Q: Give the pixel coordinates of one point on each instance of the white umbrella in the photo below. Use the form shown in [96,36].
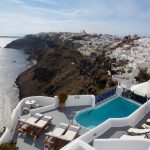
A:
[6,112]
[142,89]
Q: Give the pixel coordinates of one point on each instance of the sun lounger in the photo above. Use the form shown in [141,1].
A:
[148,121]
[26,124]
[71,133]
[56,133]
[145,126]
[136,131]
[23,127]
[34,118]
[43,122]
[39,126]
[128,137]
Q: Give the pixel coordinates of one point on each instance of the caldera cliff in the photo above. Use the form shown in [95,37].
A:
[60,67]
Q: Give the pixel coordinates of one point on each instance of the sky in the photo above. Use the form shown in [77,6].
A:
[118,17]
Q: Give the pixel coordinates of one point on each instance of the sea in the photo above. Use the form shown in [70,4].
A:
[12,63]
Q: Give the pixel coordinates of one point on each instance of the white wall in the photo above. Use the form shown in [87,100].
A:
[80,100]
[47,103]
[79,145]
[118,144]
[42,100]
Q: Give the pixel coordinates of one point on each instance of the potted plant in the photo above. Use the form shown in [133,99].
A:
[62,99]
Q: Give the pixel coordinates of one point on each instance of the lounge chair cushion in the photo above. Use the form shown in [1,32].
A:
[74,128]
[43,122]
[132,137]
[32,120]
[63,126]
[22,120]
[46,118]
[148,120]
[145,126]
[58,131]
[37,115]
[138,131]
[69,135]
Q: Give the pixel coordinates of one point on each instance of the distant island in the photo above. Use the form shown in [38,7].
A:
[76,63]
[10,36]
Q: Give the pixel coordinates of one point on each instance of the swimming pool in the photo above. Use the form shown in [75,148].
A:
[118,107]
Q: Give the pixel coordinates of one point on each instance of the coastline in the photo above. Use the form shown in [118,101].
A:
[19,87]
[12,63]
[17,82]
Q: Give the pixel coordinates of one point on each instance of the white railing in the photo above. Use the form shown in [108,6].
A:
[79,145]
[80,100]
[118,144]
[47,103]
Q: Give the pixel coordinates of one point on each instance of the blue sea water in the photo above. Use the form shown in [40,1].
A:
[12,63]
[116,108]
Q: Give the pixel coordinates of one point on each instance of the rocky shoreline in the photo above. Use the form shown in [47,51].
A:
[19,87]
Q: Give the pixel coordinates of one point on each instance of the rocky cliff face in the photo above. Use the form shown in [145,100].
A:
[35,45]
[60,69]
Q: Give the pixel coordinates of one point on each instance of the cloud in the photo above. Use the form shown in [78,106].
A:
[16,1]
[27,24]
[116,17]
[51,2]
[61,13]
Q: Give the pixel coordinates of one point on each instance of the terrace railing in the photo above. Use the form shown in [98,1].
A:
[131,95]
[103,96]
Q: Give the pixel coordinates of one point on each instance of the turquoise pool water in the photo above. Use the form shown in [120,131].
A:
[119,107]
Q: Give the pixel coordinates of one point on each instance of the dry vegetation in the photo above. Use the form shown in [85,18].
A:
[9,146]
[143,75]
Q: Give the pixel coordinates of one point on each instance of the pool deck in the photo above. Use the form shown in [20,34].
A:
[25,142]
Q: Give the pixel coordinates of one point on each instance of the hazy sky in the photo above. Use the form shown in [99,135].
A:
[18,17]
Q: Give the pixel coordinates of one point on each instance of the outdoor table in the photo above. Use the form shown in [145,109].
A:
[30,103]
